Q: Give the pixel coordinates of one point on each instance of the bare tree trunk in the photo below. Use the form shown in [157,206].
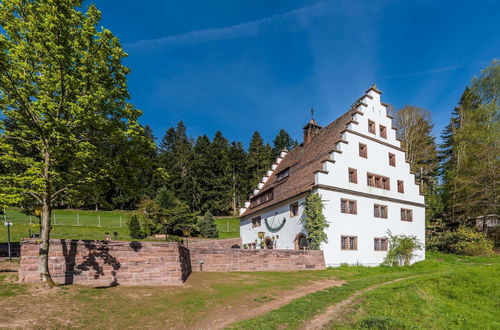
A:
[43,256]
[234,194]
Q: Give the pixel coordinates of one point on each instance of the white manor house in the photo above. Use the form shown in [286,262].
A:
[357,166]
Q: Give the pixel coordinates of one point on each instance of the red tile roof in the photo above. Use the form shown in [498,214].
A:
[303,162]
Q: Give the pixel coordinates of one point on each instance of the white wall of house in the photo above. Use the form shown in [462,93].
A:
[366,227]
[334,185]
[287,234]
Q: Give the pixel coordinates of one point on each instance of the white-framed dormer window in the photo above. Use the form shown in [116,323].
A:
[283,174]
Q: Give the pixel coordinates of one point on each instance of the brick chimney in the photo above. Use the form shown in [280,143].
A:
[310,131]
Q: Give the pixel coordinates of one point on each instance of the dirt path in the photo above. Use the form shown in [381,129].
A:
[336,311]
[246,312]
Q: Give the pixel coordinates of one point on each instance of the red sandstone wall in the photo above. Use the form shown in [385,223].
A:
[154,263]
[214,243]
[108,263]
[256,260]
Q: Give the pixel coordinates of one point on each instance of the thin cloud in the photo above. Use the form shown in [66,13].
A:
[422,73]
[293,19]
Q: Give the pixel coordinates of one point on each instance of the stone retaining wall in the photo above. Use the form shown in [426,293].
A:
[100,263]
[231,260]
[108,263]
[214,243]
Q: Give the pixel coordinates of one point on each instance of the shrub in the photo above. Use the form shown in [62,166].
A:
[135,228]
[207,226]
[464,241]
[314,222]
[401,249]
[494,234]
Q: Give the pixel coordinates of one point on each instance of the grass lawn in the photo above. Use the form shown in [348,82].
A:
[452,292]
[462,299]
[438,268]
[88,225]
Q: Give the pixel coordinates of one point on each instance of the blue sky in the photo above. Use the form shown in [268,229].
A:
[241,66]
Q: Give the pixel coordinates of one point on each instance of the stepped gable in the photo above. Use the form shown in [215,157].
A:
[303,161]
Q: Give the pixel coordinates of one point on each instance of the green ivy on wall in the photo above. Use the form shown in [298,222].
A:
[314,222]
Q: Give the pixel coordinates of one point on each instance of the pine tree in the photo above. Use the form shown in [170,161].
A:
[176,157]
[202,173]
[471,148]
[219,189]
[282,141]
[135,228]
[450,154]
[207,226]
[259,161]
[238,160]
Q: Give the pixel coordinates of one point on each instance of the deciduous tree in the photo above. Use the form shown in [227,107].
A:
[63,95]
[414,129]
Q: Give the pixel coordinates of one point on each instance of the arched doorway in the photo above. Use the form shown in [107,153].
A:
[300,241]
[268,242]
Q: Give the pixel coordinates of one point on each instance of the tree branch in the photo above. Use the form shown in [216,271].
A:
[58,192]
[38,199]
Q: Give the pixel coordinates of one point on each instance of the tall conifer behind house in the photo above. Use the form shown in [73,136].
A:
[471,145]
[282,141]
[219,189]
[176,157]
[260,158]
[238,160]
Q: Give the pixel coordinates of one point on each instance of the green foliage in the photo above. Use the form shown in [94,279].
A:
[463,241]
[63,99]
[314,222]
[470,150]
[446,282]
[402,249]
[207,226]
[414,129]
[282,141]
[176,156]
[260,158]
[135,228]
[166,214]
[238,160]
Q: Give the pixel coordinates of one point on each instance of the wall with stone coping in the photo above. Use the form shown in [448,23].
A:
[100,263]
[230,260]
[197,243]
[108,263]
